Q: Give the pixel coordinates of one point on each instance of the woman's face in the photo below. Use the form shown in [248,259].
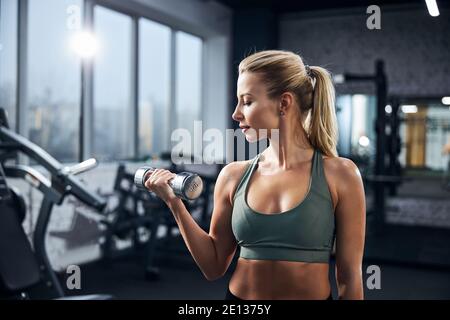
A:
[254,110]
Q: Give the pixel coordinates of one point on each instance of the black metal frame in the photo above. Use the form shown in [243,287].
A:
[61,184]
[381,83]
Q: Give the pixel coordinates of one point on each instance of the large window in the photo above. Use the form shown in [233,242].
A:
[167,84]
[188,83]
[154,87]
[8,58]
[53,79]
[113,131]
[356,115]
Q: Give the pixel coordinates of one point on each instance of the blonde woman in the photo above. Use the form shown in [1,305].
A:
[289,206]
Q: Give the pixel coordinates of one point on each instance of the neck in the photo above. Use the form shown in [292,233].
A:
[286,150]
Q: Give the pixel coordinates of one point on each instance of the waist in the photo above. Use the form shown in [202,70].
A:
[285,254]
[262,279]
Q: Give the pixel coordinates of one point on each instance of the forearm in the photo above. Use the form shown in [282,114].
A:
[199,243]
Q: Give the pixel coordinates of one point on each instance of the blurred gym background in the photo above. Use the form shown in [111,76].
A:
[112,79]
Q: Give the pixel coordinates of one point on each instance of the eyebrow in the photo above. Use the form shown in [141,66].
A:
[245,94]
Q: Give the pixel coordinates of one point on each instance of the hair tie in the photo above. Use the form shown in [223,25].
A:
[308,70]
[313,79]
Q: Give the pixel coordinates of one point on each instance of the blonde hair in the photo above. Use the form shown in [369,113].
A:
[284,71]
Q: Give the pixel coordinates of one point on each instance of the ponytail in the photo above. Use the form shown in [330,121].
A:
[321,123]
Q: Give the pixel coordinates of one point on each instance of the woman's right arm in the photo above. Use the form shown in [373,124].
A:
[212,252]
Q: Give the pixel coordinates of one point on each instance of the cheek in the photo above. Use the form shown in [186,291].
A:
[262,120]
[266,119]
[261,116]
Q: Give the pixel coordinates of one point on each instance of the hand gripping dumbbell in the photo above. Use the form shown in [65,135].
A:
[185,185]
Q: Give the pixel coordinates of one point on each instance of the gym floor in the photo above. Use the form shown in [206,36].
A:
[180,279]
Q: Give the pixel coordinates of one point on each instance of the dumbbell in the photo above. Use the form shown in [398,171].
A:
[185,185]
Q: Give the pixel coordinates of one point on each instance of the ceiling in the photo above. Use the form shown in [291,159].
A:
[286,6]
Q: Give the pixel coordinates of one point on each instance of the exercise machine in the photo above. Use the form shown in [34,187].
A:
[25,270]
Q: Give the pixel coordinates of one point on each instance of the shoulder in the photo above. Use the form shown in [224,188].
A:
[230,176]
[234,170]
[340,165]
[343,173]
[235,167]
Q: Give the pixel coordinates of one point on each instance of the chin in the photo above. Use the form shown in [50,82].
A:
[254,138]
[251,139]
[252,135]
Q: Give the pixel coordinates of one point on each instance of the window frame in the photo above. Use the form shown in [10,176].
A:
[86,144]
[86,73]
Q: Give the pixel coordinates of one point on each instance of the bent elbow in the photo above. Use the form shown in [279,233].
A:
[215,274]
[213,277]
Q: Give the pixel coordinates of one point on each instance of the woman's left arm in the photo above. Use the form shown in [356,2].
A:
[350,230]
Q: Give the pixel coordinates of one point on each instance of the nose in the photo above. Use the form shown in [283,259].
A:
[237,114]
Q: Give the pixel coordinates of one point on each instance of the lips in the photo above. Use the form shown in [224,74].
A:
[244,128]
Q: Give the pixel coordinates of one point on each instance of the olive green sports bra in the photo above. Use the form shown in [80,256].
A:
[304,233]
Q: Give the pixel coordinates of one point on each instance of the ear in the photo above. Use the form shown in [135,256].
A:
[286,101]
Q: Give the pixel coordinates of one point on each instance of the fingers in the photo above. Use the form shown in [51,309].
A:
[158,177]
[158,184]
[164,177]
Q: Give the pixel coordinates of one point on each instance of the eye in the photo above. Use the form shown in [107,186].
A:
[247,103]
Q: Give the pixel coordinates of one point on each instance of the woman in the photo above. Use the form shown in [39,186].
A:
[287,207]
